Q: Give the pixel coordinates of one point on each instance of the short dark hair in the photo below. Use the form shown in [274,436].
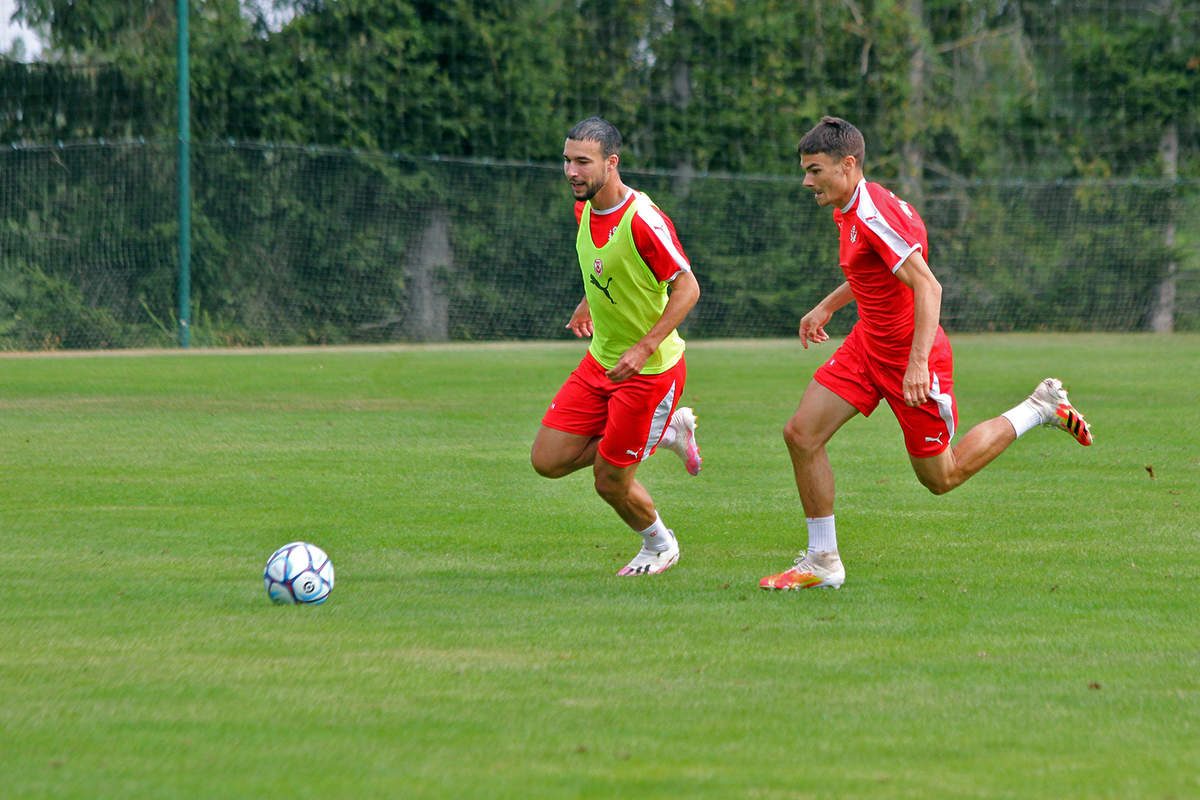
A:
[834,137]
[598,129]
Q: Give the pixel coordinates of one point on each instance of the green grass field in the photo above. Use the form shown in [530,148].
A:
[1032,634]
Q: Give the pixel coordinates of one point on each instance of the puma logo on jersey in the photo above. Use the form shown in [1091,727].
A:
[634,453]
[603,288]
[937,439]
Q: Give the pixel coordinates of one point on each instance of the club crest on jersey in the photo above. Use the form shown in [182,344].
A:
[598,266]
[853,234]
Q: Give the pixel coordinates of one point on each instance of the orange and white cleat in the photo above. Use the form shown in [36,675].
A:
[1050,399]
[811,571]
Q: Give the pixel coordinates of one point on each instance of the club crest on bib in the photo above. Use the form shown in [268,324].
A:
[598,266]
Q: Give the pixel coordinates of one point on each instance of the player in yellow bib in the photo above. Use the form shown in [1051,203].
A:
[617,267]
[622,401]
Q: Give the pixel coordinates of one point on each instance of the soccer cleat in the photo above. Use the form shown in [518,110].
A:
[683,421]
[1050,399]
[652,562]
[811,571]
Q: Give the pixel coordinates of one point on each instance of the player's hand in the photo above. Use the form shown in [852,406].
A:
[812,327]
[916,384]
[581,322]
[629,364]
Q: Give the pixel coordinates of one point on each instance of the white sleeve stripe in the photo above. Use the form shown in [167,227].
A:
[658,226]
[905,256]
[868,212]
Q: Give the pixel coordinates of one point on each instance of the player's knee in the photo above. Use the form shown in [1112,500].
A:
[937,484]
[547,468]
[607,488]
[541,469]
[611,488]
[799,439]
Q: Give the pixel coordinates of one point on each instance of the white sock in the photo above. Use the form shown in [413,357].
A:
[1024,417]
[657,537]
[822,534]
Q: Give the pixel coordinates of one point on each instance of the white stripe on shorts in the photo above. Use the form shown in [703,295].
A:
[944,403]
[662,416]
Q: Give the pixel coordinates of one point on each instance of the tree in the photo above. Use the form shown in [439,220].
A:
[1141,96]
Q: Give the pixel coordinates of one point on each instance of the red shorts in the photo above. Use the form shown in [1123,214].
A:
[631,415]
[853,375]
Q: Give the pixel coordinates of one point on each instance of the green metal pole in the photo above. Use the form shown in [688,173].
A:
[185,188]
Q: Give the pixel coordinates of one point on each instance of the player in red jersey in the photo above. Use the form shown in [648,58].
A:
[621,402]
[897,351]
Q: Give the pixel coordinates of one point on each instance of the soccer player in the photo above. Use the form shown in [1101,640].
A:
[621,402]
[897,351]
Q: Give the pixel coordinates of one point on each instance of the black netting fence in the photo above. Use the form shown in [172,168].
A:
[305,245]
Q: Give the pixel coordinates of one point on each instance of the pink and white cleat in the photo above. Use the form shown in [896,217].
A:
[652,562]
[684,445]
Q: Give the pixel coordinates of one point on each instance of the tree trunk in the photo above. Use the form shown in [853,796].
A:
[912,165]
[681,96]
[429,260]
[1162,317]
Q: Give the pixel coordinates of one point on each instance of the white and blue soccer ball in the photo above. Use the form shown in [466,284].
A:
[298,572]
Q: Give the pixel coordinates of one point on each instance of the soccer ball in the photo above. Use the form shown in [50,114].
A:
[299,572]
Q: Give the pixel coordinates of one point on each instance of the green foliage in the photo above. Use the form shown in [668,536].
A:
[1150,60]
[1048,256]
[451,78]
[41,312]
[73,102]
[971,87]
[120,29]
[762,261]
[303,245]
[731,81]
[86,234]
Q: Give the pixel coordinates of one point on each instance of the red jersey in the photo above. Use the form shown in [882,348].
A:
[653,235]
[877,232]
